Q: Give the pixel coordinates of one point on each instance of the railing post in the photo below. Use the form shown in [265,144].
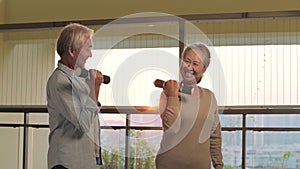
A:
[127,142]
[181,36]
[25,140]
[244,142]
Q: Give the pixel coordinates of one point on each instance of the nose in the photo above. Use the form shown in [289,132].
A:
[90,54]
[189,66]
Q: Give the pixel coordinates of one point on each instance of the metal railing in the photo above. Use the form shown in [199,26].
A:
[235,110]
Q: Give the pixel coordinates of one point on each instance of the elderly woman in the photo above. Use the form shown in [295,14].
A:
[192,131]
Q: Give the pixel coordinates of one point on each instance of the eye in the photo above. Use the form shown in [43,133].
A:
[196,64]
[186,61]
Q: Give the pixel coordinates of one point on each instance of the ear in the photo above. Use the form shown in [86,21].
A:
[71,51]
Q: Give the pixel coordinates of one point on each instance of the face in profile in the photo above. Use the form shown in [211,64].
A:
[192,67]
[84,53]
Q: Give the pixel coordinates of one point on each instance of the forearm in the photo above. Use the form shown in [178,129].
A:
[88,114]
[94,84]
[94,92]
[171,112]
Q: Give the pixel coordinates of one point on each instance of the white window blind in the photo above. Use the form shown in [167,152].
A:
[259,60]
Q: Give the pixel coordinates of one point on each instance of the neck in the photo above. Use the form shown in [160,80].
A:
[66,62]
[188,83]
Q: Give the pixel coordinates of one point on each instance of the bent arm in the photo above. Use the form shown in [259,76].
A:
[169,109]
[75,105]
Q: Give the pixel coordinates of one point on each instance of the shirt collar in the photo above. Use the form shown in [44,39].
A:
[65,69]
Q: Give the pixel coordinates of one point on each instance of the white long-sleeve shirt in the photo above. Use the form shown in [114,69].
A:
[73,120]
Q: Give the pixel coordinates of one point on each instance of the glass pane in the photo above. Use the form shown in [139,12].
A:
[132,73]
[232,149]
[231,120]
[39,118]
[112,119]
[269,120]
[14,118]
[113,148]
[272,150]
[10,147]
[143,148]
[151,120]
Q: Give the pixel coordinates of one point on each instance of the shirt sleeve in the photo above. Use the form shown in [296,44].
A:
[169,108]
[216,140]
[216,148]
[73,102]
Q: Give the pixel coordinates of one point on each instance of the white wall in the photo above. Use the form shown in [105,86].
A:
[25,68]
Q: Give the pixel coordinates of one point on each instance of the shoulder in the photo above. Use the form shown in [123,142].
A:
[58,79]
[206,91]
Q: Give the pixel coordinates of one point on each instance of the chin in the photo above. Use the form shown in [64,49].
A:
[82,65]
[189,81]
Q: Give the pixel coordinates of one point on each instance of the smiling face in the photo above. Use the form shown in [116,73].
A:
[83,54]
[74,45]
[192,67]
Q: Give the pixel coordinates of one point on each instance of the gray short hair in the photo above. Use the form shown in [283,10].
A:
[196,48]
